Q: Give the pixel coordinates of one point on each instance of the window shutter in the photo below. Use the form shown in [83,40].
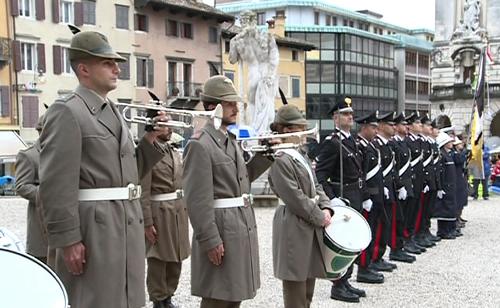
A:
[40,9]
[124,67]
[151,73]
[14,7]
[140,73]
[78,14]
[55,11]
[57,53]
[30,111]
[40,51]
[5,95]
[16,48]
[136,22]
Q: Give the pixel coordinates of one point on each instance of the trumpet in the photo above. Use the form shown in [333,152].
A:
[248,146]
[151,109]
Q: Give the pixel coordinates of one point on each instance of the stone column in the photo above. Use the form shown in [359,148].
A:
[492,17]
[445,19]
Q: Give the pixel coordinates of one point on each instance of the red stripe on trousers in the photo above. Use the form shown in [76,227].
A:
[420,213]
[377,241]
[393,226]
[362,260]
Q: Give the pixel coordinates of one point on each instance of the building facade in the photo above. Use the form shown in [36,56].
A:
[358,54]
[464,29]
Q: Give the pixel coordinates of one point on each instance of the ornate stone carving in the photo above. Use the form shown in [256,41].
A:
[470,27]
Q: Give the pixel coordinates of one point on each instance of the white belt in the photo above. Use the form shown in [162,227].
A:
[427,161]
[404,168]
[388,169]
[178,194]
[416,160]
[244,201]
[131,192]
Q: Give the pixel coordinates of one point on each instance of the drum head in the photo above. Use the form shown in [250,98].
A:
[348,230]
[27,282]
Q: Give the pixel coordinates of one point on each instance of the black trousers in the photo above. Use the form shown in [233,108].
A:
[475,185]
[412,212]
[396,226]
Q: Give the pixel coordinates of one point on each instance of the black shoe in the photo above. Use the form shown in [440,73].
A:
[486,198]
[422,241]
[457,233]
[431,237]
[460,224]
[350,288]
[462,220]
[158,304]
[167,302]
[380,266]
[400,255]
[411,248]
[340,293]
[369,276]
[448,236]
[393,265]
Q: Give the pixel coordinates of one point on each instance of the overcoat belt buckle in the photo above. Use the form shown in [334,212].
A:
[360,182]
[180,193]
[134,191]
[247,199]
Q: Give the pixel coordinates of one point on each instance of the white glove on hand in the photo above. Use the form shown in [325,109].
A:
[367,205]
[386,192]
[426,189]
[339,202]
[402,193]
[440,194]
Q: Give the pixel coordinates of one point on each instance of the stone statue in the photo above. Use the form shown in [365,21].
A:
[470,25]
[258,50]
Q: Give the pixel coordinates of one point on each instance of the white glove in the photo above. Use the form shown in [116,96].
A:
[386,192]
[402,193]
[426,189]
[440,194]
[367,205]
[339,202]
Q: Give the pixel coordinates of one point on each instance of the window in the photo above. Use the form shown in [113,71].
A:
[328,20]
[423,88]
[141,22]
[66,66]
[280,13]
[28,57]
[346,22]
[381,31]
[172,28]
[124,67]
[423,61]
[121,16]
[227,46]
[334,21]
[283,83]
[67,15]
[316,18]
[187,30]
[27,8]
[229,74]
[410,86]
[411,58]
[214,68]
[88,12]
[295,86]
[213,35]
[173,86]
[295,55]
[261,18]
[351,24]
[145,72]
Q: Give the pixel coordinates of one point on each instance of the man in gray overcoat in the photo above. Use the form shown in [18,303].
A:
[90,171]
[225,253]
[27,182]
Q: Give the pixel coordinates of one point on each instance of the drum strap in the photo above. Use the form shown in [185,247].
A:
[297,156]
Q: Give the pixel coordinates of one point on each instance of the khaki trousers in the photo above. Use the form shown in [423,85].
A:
[216,303]
[162,278]
[298,294]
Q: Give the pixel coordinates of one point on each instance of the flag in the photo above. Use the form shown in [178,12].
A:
[477,115]
[489,55]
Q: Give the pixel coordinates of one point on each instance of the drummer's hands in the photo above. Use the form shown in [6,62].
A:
[215,254]
[151,234]
[327,218]
[74,258]
[157,129]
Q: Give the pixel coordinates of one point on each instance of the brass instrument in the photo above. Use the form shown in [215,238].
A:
[215,115]
[264,146]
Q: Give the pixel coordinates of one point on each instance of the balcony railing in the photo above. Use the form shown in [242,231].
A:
[5,49]
[186,89]
[461,91]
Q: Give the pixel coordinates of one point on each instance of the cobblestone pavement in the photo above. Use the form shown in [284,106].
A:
[461,273]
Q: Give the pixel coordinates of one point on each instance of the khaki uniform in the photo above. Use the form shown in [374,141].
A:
[27,181]
[297,231]
[214,169]
[85,144]
[170,219]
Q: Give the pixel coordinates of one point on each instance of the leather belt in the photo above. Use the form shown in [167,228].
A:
[178,194]
[131,192]
[244,201]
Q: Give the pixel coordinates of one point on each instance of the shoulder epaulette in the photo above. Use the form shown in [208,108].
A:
[66,98]
[197,134]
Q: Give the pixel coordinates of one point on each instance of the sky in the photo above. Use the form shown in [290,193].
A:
[413,14]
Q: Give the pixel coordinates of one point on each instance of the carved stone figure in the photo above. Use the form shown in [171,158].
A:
[258,50]
[470,25]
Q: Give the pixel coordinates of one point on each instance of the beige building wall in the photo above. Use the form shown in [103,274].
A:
[49,86]
[9,121]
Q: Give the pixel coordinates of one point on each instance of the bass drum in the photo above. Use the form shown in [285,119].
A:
[27,282]
[347,235]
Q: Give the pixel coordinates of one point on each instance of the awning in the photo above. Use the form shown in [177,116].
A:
[10,144]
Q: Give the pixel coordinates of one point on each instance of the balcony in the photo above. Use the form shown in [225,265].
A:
[184,89]
[460,91]
[5,50]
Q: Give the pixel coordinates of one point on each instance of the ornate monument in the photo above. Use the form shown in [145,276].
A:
[258,50]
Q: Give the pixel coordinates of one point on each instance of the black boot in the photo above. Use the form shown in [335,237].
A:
[341,293]
[432,237]
[350,288]
[400,255]
[369,276]
[422,241]
[411,248]
[381,266]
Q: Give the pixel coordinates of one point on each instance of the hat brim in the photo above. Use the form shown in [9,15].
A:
[295,122]
[227,98]
[113,56]
[342,110]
